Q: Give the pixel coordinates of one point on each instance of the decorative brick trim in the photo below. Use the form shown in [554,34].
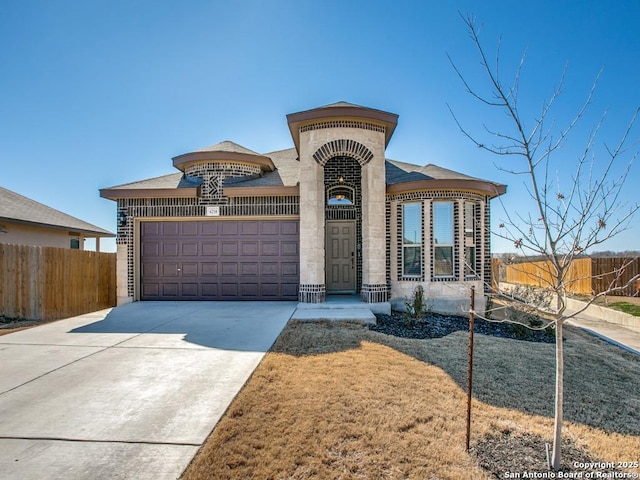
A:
[343,124]
[213,174]
[433,194]
[487,247]
[387,224]
[312,293]
[374,293]
[226,169]
[398,232]
[343,147]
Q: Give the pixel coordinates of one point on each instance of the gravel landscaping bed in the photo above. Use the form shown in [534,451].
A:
[507,453]
[11,323]
[436,325]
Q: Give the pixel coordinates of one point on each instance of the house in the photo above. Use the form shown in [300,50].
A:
[331,215]
[26,222]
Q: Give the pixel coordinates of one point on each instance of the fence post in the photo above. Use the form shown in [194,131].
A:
[470,369]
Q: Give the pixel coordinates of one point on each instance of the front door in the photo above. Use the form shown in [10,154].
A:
[340,261]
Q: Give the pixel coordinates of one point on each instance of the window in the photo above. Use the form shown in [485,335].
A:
[340,195]
[412,239]
[74,243]
[443,239]
[469,239]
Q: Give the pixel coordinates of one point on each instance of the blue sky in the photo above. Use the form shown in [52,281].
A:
[95,93]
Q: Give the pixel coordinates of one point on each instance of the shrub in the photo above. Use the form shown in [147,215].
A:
[416,307]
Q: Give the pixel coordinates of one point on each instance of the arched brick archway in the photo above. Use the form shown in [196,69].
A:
[343,147]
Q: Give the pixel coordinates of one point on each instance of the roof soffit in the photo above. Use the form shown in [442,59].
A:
[116,194]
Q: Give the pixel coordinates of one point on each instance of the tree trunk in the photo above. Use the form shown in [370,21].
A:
[557,426]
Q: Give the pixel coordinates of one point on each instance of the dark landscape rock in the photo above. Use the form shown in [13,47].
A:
[435,325]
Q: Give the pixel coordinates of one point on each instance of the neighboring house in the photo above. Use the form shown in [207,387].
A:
[26,222]
[331,215]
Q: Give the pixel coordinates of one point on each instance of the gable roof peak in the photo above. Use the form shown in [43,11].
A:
[227,146]
[342,103]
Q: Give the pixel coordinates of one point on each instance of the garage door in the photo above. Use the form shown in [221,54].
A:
[220,260]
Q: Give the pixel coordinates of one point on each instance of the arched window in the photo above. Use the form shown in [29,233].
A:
[340,195]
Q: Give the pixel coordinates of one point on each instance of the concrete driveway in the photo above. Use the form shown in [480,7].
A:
[130,392]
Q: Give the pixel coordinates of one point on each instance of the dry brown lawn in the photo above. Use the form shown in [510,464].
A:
[337,401]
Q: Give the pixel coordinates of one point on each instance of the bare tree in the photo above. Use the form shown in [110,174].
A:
[569,217]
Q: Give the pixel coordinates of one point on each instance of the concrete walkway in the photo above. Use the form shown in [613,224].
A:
[613,326]
[127,393]
[341,308]
[619,335]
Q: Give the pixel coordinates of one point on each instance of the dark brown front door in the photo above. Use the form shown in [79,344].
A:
[340,261]
[220,260]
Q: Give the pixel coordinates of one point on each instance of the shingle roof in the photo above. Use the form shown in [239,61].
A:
[400,172]
[173,180]
[437,172]
[227,146]
[18,208]
[287,173]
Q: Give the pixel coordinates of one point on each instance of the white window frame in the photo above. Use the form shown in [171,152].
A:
[442,245]
[414,245]
[469,241]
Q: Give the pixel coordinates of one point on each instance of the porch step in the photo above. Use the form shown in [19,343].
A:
[343,313]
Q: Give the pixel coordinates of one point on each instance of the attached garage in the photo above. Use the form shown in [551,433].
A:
[219,260]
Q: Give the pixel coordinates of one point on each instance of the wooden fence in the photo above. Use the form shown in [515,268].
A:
[587,276]
[46,283]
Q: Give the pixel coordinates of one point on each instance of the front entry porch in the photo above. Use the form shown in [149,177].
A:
[341,308]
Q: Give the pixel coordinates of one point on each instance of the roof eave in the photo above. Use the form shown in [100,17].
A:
[93,233]
[182,161]
[116,193]
[490,189]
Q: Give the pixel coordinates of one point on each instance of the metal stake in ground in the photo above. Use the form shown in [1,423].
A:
[470,369]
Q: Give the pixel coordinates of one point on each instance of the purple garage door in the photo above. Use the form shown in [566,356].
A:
[220,260]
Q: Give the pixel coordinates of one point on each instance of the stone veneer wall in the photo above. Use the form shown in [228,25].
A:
[320,143]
